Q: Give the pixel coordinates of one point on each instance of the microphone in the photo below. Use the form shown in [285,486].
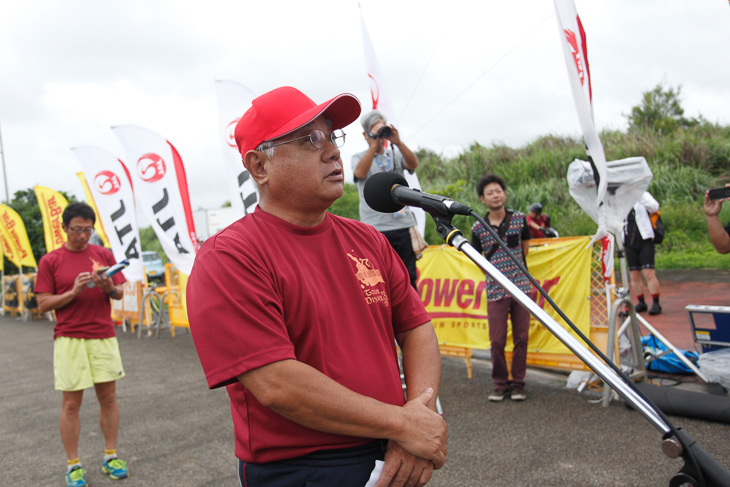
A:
[388,192]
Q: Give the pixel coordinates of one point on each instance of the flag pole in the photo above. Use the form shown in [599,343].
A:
[5,175]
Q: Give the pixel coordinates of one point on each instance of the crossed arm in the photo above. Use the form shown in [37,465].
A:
[417,435]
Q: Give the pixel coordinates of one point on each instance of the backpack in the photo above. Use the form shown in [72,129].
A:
[659,228]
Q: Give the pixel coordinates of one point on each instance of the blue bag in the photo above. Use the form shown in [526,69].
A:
[668,363]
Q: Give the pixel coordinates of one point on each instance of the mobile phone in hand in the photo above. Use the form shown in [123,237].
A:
[100,271]
[719,193]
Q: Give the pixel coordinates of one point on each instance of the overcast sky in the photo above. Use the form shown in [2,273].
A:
[459,71]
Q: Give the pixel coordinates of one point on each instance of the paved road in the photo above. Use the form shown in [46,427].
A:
[680,288]
[175,432]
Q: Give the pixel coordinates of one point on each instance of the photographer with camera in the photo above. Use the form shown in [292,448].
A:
[379,158]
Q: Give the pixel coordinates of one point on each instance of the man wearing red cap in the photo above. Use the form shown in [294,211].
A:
[297,311]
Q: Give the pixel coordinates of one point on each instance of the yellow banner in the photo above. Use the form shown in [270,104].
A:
[52,204]
[13,230]
[98,226]
[453,289]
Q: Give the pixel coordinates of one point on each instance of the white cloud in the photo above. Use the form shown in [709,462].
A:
[73,69]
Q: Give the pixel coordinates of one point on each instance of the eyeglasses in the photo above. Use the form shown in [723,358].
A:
[78,230]
[318,139]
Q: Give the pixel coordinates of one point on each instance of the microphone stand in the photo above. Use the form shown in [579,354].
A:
[699,469]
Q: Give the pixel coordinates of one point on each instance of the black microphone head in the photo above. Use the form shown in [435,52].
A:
[377,191]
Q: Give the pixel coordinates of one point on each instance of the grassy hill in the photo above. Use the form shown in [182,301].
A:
[685,162]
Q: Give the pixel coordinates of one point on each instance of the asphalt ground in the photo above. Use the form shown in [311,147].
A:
[680,288]
[176,432]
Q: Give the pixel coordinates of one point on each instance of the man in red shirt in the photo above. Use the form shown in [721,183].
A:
[537,221]
[86,352]
[297,312]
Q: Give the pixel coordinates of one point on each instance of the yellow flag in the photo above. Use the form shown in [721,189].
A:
[52,204]
[13,230]
[98,226]
[9,251]
[5,250]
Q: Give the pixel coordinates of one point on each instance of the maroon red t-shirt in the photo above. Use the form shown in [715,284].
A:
[541,221]
[89,314]
[331,296]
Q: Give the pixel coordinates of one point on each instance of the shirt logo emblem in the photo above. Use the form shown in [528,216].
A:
[369,277]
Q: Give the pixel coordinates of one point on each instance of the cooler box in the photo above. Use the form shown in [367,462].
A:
[710,325]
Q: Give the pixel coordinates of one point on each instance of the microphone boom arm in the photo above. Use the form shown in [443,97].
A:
[457,240]
[708,468]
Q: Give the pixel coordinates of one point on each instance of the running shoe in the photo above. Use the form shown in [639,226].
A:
[76,477]
[518,394]
[116,468]
[498,395]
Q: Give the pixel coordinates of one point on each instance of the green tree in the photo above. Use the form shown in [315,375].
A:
[348,205]
[26,204]
[149,241]
[660,111]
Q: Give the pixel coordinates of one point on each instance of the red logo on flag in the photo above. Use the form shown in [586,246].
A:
[607,257]
[150,168]
[107,182]
[230,133]
[374,92]
[573,42]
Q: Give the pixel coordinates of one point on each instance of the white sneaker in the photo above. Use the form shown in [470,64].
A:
[518,394]
[498,395]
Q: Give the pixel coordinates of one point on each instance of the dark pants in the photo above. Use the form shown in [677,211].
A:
[640,255]
[497,314]
[400,240]
[346,467]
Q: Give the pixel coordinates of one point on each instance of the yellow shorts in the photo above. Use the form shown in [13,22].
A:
[79,363]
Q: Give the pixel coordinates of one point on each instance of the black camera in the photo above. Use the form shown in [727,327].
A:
[715,194]
[384,132]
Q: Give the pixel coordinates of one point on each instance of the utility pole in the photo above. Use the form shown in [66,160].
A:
[5,174]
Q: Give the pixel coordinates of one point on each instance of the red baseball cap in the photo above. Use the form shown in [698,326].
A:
[284,110]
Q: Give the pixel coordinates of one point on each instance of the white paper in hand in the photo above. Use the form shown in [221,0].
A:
[375,474]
